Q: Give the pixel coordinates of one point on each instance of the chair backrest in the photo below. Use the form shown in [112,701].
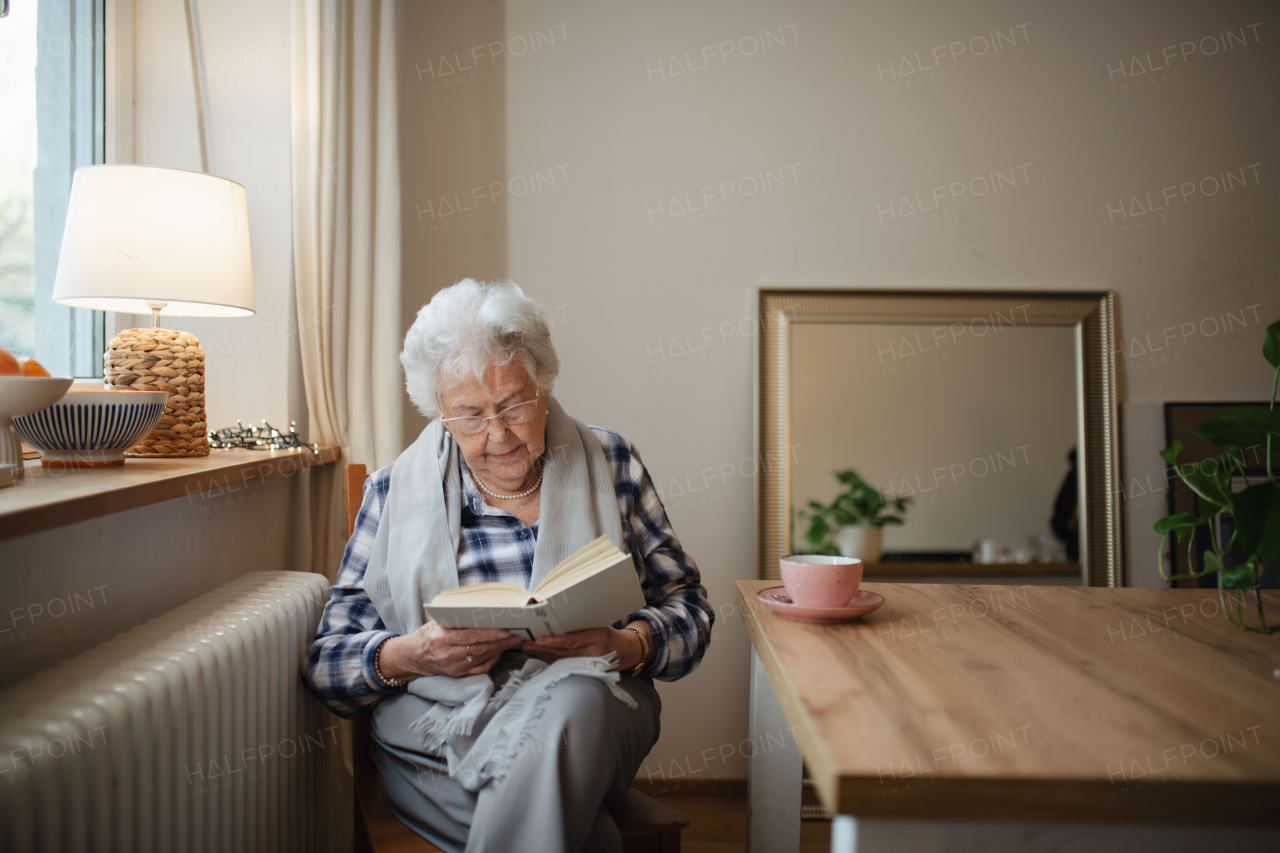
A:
[353,477]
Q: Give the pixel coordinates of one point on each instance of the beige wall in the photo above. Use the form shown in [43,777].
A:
[640,283]
[452,141]
[252,369]
[974,427]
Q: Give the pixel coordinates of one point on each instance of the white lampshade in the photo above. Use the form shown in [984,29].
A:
[138,237]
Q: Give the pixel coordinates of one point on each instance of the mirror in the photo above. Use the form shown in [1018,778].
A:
[973,427]
[967,406]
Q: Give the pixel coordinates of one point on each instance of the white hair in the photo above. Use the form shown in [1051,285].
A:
[470,327]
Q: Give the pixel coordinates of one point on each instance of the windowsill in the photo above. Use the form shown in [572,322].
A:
[52,497]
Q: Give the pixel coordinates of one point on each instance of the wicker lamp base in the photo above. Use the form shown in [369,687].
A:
[163,360]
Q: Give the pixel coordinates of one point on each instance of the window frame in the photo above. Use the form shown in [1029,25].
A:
[85,49]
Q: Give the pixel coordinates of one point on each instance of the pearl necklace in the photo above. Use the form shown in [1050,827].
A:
[523,494]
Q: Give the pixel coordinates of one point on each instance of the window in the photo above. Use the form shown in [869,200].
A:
[18,112]
[52,90]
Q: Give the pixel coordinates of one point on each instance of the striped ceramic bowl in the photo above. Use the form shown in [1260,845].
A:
[86,429]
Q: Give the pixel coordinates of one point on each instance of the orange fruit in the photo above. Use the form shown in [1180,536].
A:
[8,364]
[31,367]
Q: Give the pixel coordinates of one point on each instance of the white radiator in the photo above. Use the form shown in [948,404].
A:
[192,732]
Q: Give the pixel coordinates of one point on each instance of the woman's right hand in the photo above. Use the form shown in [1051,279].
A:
[436,650]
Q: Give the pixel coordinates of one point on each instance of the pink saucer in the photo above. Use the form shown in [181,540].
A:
[780,603]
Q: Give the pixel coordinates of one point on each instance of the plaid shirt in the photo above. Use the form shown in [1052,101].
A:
[496,546]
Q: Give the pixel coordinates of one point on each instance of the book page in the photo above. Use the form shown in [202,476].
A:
[492,594]
[605,595]
[546,591]
[586,560]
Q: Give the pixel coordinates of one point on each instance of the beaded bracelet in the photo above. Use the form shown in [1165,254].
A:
[377,668]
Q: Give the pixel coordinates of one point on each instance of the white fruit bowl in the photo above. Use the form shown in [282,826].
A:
[88,429]
[21,395]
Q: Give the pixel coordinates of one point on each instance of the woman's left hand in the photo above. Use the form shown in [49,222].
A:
[591,643]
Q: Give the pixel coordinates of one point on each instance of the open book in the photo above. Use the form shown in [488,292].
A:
[594,587]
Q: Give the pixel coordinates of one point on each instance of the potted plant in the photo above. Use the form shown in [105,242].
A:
[852,524]
[1254,510]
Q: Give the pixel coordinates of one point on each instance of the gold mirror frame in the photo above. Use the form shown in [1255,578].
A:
[1092,314]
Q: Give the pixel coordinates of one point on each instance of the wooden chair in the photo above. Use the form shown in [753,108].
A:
[646,825]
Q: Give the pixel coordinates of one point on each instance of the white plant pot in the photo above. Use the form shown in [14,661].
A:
[861,542]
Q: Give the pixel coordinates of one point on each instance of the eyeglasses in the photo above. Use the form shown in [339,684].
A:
[520,413]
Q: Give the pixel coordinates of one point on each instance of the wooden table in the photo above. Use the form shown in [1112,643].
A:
[960,572]
[993,704]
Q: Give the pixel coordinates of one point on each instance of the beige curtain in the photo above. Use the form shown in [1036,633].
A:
[346,224]
[346,252]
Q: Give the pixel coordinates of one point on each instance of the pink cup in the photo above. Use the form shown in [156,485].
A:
[819,580]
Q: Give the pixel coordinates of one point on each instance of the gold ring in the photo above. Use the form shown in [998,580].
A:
[468,654]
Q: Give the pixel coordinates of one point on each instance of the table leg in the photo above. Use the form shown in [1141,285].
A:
[844,834]
[774,771]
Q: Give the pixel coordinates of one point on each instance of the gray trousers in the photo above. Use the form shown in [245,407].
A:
[556,795]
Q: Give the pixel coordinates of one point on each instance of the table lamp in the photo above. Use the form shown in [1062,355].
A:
[144,239]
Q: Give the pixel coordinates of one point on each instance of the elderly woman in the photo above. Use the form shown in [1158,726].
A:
[485,741]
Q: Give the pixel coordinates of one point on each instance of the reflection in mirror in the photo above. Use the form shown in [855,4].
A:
[975,430]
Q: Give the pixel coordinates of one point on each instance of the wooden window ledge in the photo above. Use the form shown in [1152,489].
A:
[51,497]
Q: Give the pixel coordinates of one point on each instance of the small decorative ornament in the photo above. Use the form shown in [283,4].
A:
[163,360]
[265,437]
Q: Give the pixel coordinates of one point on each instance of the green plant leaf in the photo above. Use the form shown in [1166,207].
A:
[1171,454]
[1209,479]
[860,503]
[1180,524]
[1257,516]
[1230,462]
[1243,426]
[1271,345]
[1236,577]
